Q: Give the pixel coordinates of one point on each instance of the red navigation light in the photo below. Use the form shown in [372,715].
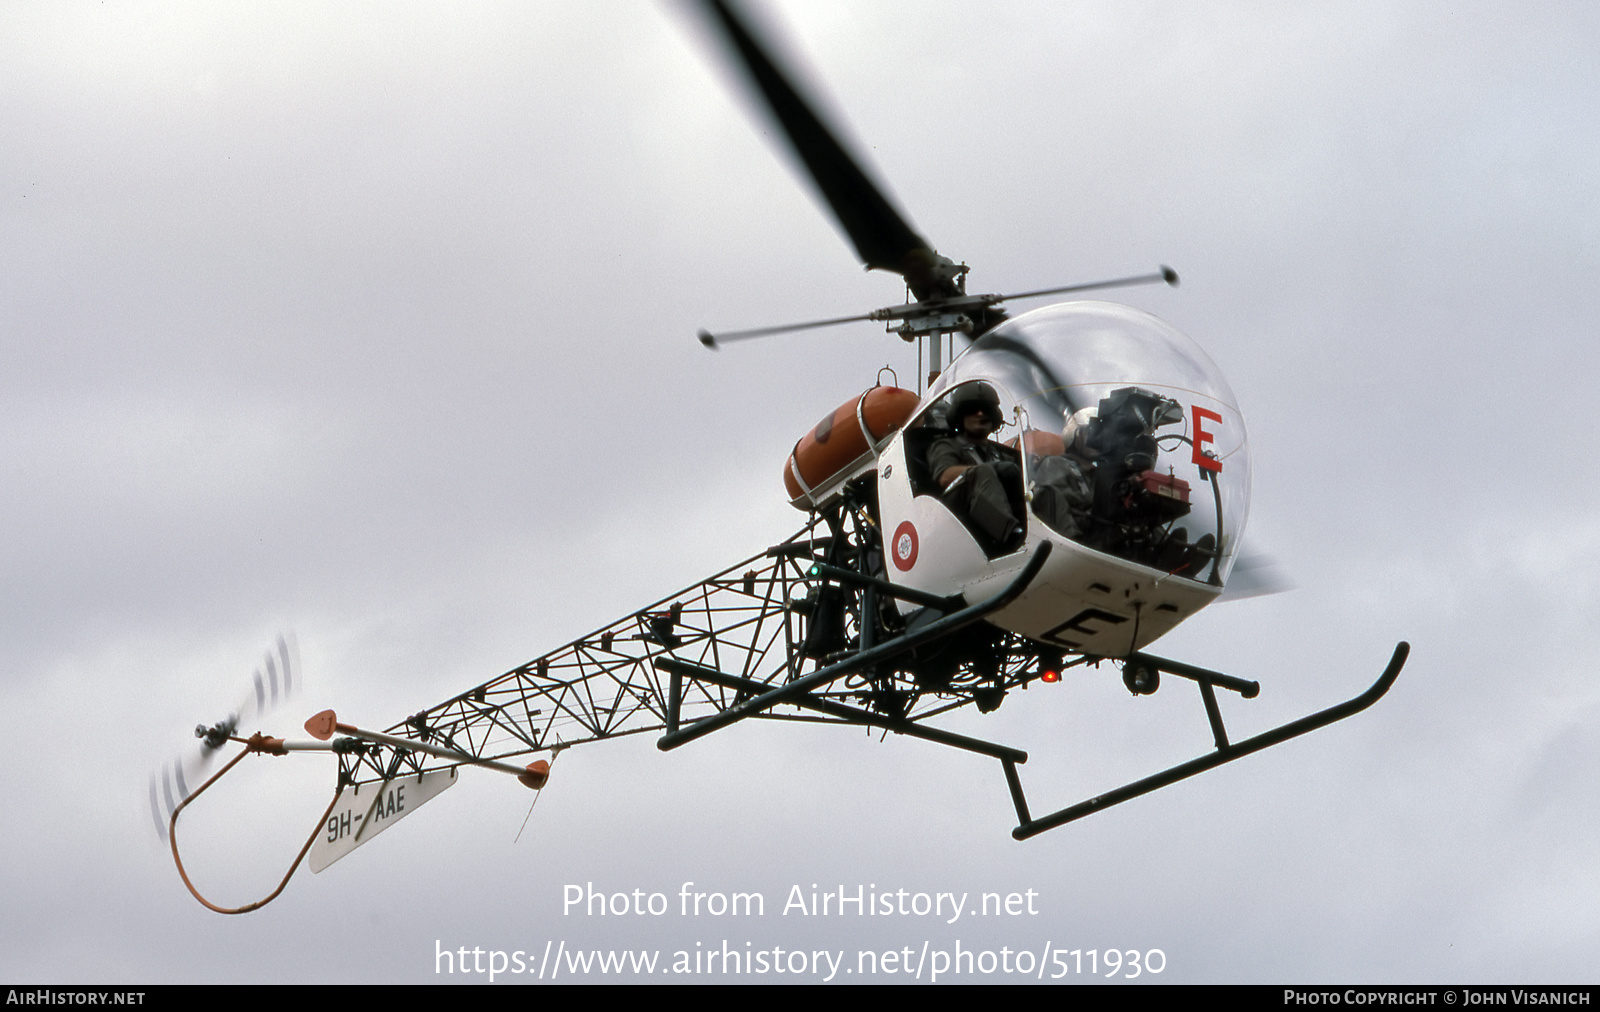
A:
[1050,664]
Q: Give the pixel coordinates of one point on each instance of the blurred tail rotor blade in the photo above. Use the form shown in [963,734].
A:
[155,808]
[165,797]
[287,666]
[272,683]
[182,788]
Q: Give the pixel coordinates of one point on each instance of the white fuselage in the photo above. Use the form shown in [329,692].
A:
[1096,594]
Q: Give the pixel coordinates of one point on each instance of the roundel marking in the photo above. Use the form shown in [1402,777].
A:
[903,547]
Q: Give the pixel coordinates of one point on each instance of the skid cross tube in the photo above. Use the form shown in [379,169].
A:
[1206,679]
[1247,689]
[1225,753]
[866,658]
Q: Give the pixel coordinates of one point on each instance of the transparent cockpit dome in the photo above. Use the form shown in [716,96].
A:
[1133,442]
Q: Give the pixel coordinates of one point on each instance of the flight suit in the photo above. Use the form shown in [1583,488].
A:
[983,494]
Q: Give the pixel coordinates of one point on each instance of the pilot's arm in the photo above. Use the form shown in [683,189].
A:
[946,462]
[948,476]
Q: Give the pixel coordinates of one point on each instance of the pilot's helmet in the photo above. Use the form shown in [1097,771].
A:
[975,397]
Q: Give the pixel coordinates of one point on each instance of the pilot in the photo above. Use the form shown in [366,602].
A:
[976,475]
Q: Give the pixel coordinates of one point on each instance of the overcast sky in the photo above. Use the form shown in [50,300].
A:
[375,322]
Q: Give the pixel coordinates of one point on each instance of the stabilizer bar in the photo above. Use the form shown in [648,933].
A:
[1225,753]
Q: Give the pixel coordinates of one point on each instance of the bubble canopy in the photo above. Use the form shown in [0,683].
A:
[1131,401]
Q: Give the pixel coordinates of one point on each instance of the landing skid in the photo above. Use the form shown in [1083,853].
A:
[1141,673]
[1225,752]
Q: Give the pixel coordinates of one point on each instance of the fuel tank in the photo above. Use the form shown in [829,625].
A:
[844,444]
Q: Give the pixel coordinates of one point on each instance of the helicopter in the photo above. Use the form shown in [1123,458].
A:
[1126,484]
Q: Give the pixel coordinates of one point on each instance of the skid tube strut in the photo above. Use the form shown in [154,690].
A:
[1225,751]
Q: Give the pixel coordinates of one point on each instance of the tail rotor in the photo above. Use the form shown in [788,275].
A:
[274,680]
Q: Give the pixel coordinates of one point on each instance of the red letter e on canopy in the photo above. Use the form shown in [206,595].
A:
[1202,437]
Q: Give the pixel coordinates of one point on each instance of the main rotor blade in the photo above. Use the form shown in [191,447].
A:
[1255,574]
[882,237]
